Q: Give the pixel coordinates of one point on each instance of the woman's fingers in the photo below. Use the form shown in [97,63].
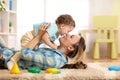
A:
[44,26]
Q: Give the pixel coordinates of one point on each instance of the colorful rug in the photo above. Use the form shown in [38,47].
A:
[95,71]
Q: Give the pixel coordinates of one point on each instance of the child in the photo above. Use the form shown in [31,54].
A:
[63,25]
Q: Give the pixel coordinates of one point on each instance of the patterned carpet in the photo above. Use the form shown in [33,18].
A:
[95,71]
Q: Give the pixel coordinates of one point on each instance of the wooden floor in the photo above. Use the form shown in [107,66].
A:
[103,60]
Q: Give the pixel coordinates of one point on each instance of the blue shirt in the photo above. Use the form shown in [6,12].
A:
[7,53]
[43,58]
[52,31]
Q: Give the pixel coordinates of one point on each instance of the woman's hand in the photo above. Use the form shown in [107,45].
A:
[43,28]
[37,38]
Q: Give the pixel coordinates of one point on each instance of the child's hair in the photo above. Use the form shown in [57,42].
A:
[65,19]
[79,50]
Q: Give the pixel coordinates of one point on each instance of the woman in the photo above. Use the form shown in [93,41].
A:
[70,46]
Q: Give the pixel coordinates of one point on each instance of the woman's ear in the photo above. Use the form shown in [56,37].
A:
[70,48]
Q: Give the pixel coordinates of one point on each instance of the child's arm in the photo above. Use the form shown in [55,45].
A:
[46,39]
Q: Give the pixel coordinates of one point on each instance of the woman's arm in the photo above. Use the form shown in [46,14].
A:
[37,38]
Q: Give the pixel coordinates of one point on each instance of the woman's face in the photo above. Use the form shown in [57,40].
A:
[69,40]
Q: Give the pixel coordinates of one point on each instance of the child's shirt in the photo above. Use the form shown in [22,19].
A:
[52,31]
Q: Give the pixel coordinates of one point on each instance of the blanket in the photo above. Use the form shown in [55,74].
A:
[94,71]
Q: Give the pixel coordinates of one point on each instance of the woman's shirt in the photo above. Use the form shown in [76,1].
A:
[43,58]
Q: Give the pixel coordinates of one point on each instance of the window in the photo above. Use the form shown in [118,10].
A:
[79,9]
[34,11]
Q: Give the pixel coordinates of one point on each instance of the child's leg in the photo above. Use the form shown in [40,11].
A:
[26,38]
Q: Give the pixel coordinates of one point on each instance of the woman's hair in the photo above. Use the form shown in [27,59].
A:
[79,49]
[65,19]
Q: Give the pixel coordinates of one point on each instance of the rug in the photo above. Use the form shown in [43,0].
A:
[94,71]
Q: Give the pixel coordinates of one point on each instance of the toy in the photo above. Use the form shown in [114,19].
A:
[2,3]
[52,70]
[114,68]
[34,70]
[15,69]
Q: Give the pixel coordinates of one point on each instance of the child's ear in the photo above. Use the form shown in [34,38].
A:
[70,48]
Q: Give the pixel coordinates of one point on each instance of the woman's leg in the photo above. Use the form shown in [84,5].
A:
[5,55]
[26,38]
[13,59]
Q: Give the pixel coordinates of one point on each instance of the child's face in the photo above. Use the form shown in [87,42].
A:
[65,29]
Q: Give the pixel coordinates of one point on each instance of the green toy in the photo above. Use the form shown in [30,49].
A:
[2,8]
[34,70]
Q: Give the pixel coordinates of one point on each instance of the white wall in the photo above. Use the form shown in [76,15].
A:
[28,13]
[33,11]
